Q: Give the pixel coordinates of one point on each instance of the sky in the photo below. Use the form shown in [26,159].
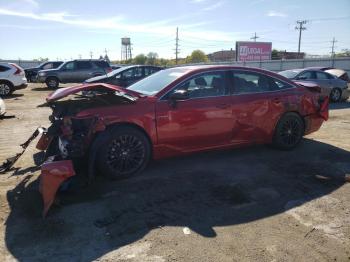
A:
[68,29]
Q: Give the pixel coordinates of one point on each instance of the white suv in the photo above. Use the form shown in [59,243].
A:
[12,77]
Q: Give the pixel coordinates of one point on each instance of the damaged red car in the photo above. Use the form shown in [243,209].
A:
[181,110]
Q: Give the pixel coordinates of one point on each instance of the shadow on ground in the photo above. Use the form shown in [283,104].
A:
[200,191]
[340,105]
[12,96]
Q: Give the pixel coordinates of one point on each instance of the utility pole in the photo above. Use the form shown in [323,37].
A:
[91,54]
[105,51]
[254,37]
[333,42]
[177,45]
[300,27]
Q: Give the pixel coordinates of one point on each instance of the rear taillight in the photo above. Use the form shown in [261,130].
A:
[109,69]
[18,69]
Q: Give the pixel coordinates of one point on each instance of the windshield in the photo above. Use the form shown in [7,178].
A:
[156,82]
[290,73]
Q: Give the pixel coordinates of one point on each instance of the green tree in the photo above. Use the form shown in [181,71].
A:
[197,56]
[152,58]
[343,53]
[140,59]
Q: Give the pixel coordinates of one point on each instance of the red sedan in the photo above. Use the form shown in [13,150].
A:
[175,111]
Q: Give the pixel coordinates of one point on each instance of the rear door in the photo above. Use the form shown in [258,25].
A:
[258,101]
[203,120]
[84,71]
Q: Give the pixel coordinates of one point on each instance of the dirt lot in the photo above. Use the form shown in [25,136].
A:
[252,204]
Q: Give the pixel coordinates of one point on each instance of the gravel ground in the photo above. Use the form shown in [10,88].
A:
[250,204]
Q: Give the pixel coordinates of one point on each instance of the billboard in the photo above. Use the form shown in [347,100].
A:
[253,51]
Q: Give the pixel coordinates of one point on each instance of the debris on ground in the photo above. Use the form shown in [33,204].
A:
[186,231]
[9,162]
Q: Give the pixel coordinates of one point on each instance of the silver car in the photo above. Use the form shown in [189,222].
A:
[337,89]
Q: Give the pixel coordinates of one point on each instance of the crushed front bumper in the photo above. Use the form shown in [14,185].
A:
[53,174]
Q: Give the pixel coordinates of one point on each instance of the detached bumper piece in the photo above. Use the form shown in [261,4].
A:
[53,174]
[6,166]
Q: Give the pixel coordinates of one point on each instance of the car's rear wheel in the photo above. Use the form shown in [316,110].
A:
[335,95]
[124,152]
[6,88]
[52,82]
[289,131]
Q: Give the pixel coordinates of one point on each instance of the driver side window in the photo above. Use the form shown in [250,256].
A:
[205,85]
[70,66]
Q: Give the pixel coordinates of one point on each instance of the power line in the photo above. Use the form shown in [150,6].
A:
[300,27]
[254,37]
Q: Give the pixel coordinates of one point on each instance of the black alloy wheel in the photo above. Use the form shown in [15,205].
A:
[289,131]
[127,151]
[335,95]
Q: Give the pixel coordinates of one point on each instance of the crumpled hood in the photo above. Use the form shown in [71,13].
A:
[63,92]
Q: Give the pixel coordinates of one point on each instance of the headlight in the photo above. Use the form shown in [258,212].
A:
[42,73]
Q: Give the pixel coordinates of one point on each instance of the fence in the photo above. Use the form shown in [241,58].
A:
[272,65]
[23,63]
[280,65]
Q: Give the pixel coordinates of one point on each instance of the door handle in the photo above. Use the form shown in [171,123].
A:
[223,106]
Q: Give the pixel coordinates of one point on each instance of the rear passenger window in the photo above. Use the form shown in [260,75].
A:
[251,82]
[83,65]
[4,68]
[101,64]
[322,76]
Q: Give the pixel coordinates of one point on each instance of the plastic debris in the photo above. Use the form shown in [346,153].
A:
[186,231]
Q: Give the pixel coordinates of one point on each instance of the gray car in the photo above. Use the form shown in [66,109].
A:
[76,71]
[337,89]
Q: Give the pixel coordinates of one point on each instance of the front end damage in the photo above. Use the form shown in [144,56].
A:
[79,114]
[68,141]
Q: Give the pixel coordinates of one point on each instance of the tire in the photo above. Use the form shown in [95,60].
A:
[335,95]
[124,151]
[52,82]
[33,79]
[288,132]
[6,88]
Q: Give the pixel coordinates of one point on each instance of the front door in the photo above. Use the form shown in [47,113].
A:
[202,121]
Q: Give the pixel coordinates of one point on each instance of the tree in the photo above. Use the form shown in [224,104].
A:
[197,56]
[140,59]
[152,58]
[274,54]
[343,53]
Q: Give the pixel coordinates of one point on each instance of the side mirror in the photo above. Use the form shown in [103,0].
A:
[177,96]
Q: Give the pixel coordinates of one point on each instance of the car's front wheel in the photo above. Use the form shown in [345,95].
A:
[335,95]
[124,152]
[5,88]
[52,82]
[288,132]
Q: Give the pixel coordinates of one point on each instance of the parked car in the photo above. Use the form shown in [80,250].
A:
[125,76]
[75,71]
[32,73]
[115,67]
[175,111]
[337,89]
[11,78]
